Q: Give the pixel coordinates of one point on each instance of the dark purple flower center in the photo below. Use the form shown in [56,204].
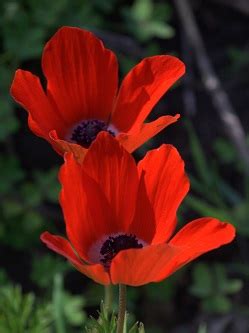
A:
[86,132]
[113,245]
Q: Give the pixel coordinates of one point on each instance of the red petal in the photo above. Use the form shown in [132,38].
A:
[142,88]
[136,267]
[135,139]
[204,232]
[63,247]
[154,263]
[143,225]
[81,75]
[115,171]
[35,128]
[62,146]
[196,238]
[26,89]
[166,185]
[85,208]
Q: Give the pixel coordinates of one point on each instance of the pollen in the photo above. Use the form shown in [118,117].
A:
[86,131]
[113,245]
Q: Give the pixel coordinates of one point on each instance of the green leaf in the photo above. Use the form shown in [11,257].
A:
[199,158]
[21,313]
[225,151]
[223,283]
[67,308]
[106,323]
[233,286]
[203,208]
[162,11]
[217,304]
[137,328]
[142,10]
[158,29]
[240,218]
[73,309]
[212,285]
[202,286]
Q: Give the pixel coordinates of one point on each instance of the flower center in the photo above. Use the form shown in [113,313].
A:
[114,244]
[86,131]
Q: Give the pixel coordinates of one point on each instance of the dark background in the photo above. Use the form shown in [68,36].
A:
[39,291]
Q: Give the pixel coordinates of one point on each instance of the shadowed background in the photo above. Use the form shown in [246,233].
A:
[39,291]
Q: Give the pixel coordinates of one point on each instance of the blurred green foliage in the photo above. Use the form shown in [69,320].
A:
[107,323]
[146,19]
[212,285]
[213,194]
[19,312]
[23,199]
[67,308]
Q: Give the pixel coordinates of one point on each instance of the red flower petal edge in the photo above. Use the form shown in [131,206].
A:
[81,97]
[120,218]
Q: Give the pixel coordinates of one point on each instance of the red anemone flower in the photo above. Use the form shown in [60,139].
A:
[82,98]
[120,217]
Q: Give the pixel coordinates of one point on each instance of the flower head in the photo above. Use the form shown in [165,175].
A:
[82,96]
[120,217]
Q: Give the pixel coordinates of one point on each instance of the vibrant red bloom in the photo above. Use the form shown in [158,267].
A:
[82,96]
[120,217]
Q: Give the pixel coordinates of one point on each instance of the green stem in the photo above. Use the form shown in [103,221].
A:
[122,308]
[58,303]
[108,298]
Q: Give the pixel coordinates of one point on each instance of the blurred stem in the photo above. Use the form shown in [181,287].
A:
[58,304]
[108,297]
[122,308]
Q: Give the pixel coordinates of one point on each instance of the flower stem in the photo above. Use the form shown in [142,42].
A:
[122,308]
[108,298]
